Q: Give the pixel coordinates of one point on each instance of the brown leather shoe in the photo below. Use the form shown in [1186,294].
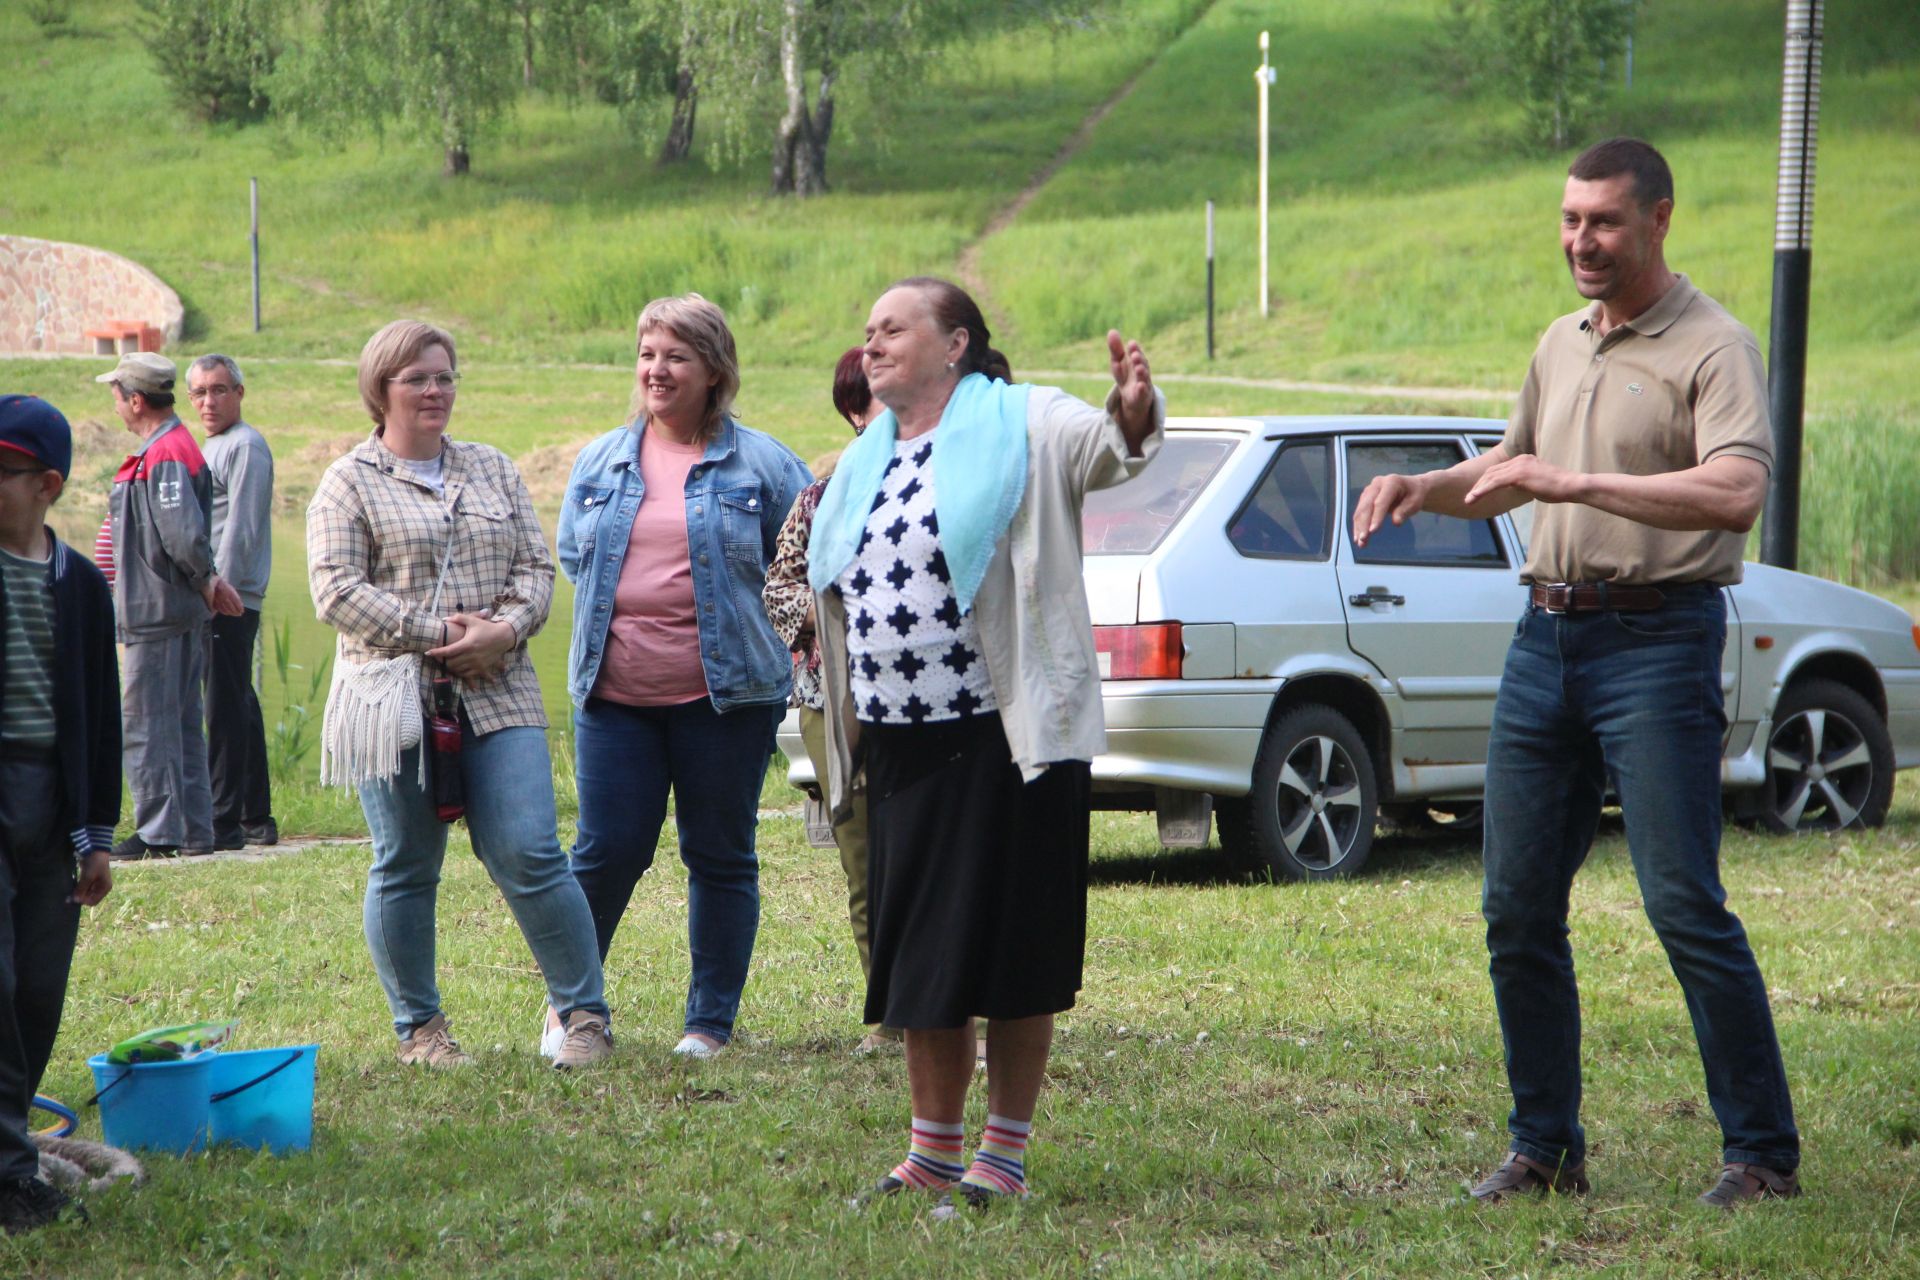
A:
[1739,1182]
[1518,1175]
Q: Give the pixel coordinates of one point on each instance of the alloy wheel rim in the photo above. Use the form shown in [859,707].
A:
[1821,770]
[1318,803]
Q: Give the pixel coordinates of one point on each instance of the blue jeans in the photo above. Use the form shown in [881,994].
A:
[1632,700]
[625,760]
[508,775]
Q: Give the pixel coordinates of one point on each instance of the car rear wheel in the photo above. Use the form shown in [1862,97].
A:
[1311,813]
[1460,818]
[1829,761]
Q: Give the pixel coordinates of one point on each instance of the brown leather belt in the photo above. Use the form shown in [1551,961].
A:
[1590,597]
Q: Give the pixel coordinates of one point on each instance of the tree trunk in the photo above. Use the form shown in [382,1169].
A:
[822,123]
[526,43]
[457,161]
[799,151]
[679,140]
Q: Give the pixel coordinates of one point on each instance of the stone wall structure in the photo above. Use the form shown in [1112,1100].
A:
[52,293]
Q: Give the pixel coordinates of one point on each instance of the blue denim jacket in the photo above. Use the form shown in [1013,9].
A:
[737,497]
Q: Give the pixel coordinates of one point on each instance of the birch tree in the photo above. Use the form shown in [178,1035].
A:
[444,71]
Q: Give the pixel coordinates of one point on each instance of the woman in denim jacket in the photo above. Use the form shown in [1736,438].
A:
[677,677]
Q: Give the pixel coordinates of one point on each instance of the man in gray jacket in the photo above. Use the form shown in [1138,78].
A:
[241,467]
[164,589]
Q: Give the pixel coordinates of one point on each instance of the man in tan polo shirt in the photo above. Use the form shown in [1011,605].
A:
[1642,433]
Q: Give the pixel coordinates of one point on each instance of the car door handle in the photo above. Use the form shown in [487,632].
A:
[1375,595]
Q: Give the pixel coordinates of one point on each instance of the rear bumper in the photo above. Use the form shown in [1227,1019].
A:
[799,767]
[1190,735]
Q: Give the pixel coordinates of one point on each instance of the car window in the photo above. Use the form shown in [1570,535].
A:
[1428,537]
[1132,518]
[1522,514]
[1286,516]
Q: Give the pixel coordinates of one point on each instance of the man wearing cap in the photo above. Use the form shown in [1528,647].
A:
[1642,434]
[241,467]
[164,590]
[59,776]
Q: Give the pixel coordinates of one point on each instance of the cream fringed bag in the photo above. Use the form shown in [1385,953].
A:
[372,719]
[373,712]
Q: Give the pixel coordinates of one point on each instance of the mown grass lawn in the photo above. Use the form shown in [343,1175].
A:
[1260,1079]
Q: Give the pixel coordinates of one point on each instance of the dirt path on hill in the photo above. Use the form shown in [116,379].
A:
[967,266]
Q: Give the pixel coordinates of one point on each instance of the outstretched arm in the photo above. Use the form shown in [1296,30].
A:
[1722,493]
[1399,498]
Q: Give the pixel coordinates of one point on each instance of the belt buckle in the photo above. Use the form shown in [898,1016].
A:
[1564,591]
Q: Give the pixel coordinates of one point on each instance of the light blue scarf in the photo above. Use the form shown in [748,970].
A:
[979,477]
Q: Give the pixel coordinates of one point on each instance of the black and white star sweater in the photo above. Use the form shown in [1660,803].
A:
[912,655]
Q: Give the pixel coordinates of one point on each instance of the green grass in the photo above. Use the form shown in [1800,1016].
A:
[1258,1080]
[1412,234]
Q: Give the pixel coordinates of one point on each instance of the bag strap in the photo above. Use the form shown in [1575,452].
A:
[446,558]
[433,605]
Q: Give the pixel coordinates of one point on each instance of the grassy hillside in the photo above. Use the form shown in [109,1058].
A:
[1413,239]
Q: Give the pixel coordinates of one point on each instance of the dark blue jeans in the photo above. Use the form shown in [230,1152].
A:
[625,761]
[1632,700]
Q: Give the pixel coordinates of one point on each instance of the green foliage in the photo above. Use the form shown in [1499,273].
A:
[1413,243]
[1557,55]
[214,55]
[53,17]
[443,70]
[1860,499]
[296,729]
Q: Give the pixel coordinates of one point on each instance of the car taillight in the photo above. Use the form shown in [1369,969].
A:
[1916,636]
[1148,652]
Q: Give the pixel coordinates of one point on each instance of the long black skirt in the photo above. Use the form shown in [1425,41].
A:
[976,881]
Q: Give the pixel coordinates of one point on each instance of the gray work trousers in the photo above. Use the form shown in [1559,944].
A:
[164,741]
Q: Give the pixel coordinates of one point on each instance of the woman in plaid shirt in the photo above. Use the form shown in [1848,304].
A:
[383,522]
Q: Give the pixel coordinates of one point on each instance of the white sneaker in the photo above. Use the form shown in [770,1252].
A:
[551,1036]
[696,1048]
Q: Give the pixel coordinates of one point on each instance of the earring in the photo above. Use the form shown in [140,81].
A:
[950,366]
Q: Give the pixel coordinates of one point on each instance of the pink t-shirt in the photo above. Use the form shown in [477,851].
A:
[653,642]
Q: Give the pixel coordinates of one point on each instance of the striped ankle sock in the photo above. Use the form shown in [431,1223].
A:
[1000,1166]
[933,1157]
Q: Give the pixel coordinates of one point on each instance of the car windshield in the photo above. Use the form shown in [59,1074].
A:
[1132,518]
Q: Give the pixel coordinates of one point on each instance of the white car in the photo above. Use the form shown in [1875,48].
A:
[1259,668]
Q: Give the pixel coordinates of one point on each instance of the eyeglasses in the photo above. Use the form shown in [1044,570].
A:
[198,394]
[446,380]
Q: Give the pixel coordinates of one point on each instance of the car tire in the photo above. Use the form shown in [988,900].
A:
[1829,761]
[1314,802]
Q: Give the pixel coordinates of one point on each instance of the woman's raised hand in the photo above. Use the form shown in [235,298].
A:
[1135,383]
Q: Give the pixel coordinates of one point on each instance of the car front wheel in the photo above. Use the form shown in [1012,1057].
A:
[1311,813]
[1829,761]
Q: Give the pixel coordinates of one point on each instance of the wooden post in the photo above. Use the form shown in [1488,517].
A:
[1209,279]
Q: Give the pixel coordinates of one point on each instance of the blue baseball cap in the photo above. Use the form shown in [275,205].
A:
[31,426]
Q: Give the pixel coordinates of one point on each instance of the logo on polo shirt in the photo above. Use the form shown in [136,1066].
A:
[1635,388]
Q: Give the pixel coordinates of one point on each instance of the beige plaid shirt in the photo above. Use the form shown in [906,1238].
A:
[375,539]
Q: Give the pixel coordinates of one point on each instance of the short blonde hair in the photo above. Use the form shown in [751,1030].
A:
[702,326]
[391,350]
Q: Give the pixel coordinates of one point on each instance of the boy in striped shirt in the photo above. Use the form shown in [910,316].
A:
[59,776]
